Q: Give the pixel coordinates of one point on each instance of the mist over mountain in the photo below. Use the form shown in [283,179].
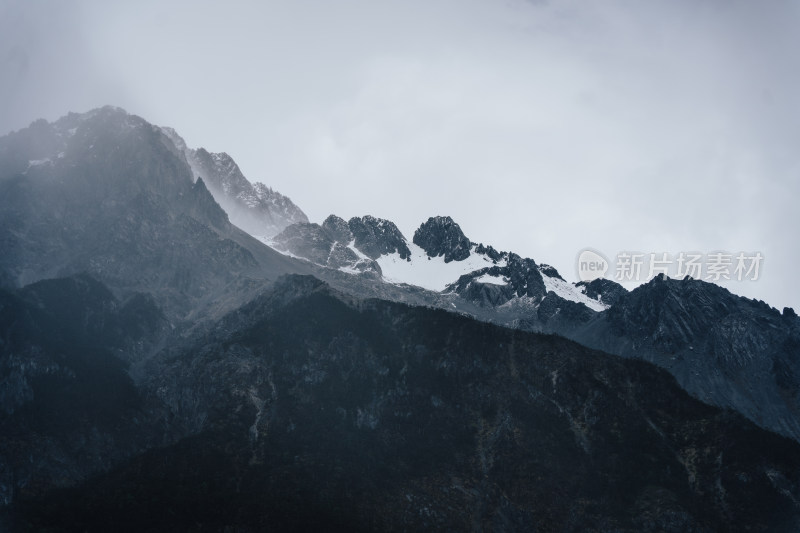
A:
[181,349]
[254,207]
[107,193]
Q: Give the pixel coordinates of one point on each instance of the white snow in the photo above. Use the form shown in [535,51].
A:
[568,291]
[430,273]
[494,280]
[358,252]
[434,274]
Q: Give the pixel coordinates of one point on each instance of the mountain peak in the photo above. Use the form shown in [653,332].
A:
[326,245]
[112,195]
[254,207]
[603,290]
[440,235]
[338,229]
[204,207]
[673,313]
[377,236]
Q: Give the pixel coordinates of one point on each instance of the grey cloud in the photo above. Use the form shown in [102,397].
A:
[541,127]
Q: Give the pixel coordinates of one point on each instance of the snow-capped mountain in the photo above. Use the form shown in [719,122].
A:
[155,356]
[440,258]
[254,207]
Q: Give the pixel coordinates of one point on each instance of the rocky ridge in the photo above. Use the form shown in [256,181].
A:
[254,207]
[441,236]
[475,272]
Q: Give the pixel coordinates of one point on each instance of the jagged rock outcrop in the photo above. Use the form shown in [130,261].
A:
[568,313]
[451,265]
[604,290]
[203,207]
[341,256]
[330,244]
[490,252]
[550,271]
[338,229]
[306,240]
[442,236]
[523,276]
[375,237]
[326,245]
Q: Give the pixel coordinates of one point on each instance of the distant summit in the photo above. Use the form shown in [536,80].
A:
[254,207]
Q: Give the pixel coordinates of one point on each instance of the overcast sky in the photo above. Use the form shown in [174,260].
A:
[542,127]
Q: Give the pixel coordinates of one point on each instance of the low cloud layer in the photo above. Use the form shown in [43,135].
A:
[541,127]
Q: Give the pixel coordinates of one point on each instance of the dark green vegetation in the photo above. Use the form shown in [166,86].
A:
[312,410]
[68,405]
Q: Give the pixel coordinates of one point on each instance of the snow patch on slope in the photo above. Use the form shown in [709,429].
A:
[359,253]
[430,273]
[493,280]
[568,291]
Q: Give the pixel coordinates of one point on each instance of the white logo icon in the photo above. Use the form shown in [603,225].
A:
[591,265]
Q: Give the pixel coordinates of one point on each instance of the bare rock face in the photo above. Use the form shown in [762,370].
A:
[338,229]
[376,237]
[524,280]
[350,246]
[326,245]
[724,349]
[604,290]
[441,236]
[306,240]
